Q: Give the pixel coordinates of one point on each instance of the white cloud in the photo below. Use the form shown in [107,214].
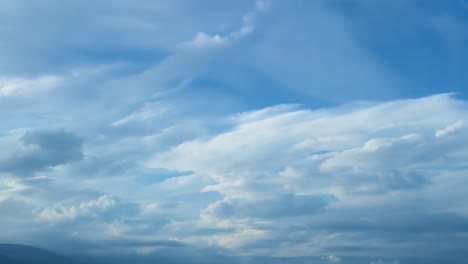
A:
[344,155]
[248,26]
[383,262]
[375,150]
[281,181]
[263,5]
[88,209]
[148,111]
[334,259]
[202,39]
[450,129]
[284,138]
[284,180]
[28,87]
[8,187]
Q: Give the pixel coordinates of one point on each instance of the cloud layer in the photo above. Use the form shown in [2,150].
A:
[282,181]
[246,131]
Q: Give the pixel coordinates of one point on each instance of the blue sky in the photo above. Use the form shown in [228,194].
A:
[292,131]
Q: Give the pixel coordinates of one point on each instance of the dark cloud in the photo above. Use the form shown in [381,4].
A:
[42,150]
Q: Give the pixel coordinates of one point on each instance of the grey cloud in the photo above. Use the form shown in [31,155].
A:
[144,243]
[14,210]
[76,245]
[406,222]
[138,226]
[389,229]
[381,181]
[281,206]
[103,166]
[42,150]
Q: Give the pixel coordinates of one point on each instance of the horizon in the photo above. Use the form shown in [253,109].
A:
[247,131]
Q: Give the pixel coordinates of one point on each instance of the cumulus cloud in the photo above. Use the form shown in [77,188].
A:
[297,163]
[387,150]
[104,207]
[381,159]
[281,181]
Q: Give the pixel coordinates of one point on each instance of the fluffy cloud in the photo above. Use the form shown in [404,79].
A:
[321,165]
[284,181]
[300,143]
[104,207]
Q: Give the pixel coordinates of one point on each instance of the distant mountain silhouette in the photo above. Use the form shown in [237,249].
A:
[20,254]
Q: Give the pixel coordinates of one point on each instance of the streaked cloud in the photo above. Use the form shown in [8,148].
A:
[28,87]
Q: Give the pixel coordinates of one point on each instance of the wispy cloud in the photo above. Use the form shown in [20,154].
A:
[248,26]
[148,111]
[28,87]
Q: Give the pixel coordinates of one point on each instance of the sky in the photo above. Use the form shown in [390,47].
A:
[265,131]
